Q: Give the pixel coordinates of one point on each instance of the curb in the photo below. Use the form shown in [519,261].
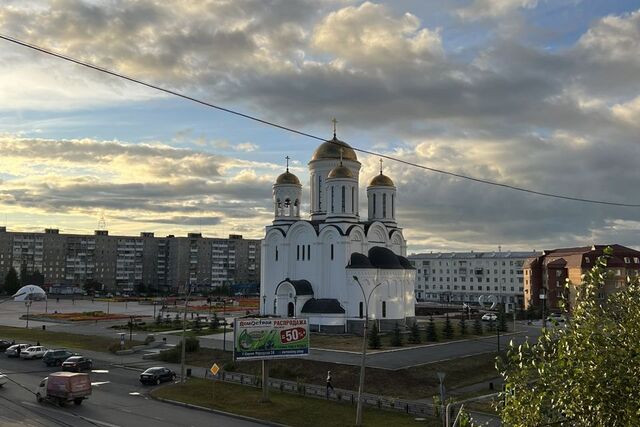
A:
[217,411]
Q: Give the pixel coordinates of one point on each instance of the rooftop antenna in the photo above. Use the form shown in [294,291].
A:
[102,224]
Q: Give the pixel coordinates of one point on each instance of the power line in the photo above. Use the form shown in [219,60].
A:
[308,135]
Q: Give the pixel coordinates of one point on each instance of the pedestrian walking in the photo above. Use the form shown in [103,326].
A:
[329,385]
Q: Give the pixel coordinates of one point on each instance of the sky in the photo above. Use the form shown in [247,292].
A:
[542,94]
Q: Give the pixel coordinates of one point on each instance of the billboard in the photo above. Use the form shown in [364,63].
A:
[255,338]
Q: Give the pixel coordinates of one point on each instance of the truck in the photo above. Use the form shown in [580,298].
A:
[64,387]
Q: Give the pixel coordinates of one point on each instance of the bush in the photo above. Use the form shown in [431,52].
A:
[173,355]
[149,339]
[113,347]
[463,326]
[432,333]
[230,366]
[414,337]
[448,328]
[374,337]
[396,338]
[477,327]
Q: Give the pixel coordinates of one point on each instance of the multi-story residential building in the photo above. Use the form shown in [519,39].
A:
[471,277]
[124,262]
[547,273]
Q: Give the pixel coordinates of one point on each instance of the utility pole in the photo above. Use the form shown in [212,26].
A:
[364,348]
[184,331]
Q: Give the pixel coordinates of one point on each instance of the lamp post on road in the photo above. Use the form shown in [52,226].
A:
[28,304]
[184,331]
[364,347]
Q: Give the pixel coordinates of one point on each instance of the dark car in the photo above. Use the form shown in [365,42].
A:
[157,375]
[4,344]
[77,364]
[57,356]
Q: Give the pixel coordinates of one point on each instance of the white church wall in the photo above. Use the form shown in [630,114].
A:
[303,258]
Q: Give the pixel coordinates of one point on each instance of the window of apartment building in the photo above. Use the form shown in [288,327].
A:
[441,279]
[504,271]
[636,260]
[510,271]
[447,271]
[455,279]
[495,288]
[471,279]
[495,280]
[627,260]
[455,288]
[511,279]
[426,286]
[448,279]
[463,279]
[464,288]
[504,289]
[488,280]
[495,271]
[448,287]
[440,286]
[520,288]
[519,279]
[512,289]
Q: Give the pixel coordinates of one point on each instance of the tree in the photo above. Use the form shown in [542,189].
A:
[432,332]
[585,373]
[502,319]
[477,327]
[374,337]
[463,326]
[492,326]
[396,338]
[448,328]
[215,322]
[414,336]
[11,282]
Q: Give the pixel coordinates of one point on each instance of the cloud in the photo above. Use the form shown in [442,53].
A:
[481,9]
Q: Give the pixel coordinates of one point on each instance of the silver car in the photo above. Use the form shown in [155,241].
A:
[13,350]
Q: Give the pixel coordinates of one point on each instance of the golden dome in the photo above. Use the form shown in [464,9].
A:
[331,150]
[287,178]
[340,171]
[381,181]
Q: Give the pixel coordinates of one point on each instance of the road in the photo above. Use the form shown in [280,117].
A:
[118,399]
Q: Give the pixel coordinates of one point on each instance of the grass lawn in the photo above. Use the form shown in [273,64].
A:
[61,339]
[412,383]
[284,408]
[354,342]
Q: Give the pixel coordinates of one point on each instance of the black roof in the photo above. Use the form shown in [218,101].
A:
[302,287]
[379,257]
[359,260]
[323,305]
[406,264]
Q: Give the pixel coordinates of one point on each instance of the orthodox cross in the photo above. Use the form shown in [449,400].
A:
[380,166]
[335,122]
[287,157]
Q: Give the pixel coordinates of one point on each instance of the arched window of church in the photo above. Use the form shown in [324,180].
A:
[361,309]
[278,207]
[374,205]
[287,207]
[343,199]
[353,201]
[276,253]
[384,309]
[332,194]
[298,253]
[303,252]
[308,252]
[384,205]
[393,206]
[319,192]
[332,251]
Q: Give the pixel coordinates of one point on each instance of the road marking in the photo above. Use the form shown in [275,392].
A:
[100,383]
[101,423]
[100,371]
[135,393]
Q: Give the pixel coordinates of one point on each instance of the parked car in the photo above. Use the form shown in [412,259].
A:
[34,352]
[57,356]
[12,351]
[63,387]
[3,379]
[157,375]
[488,317]
[77,364]
[4,344]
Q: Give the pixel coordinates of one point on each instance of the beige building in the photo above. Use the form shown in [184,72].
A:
[121,263]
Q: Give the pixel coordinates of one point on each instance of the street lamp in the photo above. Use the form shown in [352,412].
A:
[264,305]
[28,304]
[364,348]
[184,331]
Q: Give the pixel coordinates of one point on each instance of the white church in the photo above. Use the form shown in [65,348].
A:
[311,267]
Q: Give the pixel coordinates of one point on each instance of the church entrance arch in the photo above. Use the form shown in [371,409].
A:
[290,310]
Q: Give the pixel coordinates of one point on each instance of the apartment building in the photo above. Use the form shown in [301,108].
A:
[471,277]
[547,273]
[121,263]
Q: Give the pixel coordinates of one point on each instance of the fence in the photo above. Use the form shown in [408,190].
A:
[320,392]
